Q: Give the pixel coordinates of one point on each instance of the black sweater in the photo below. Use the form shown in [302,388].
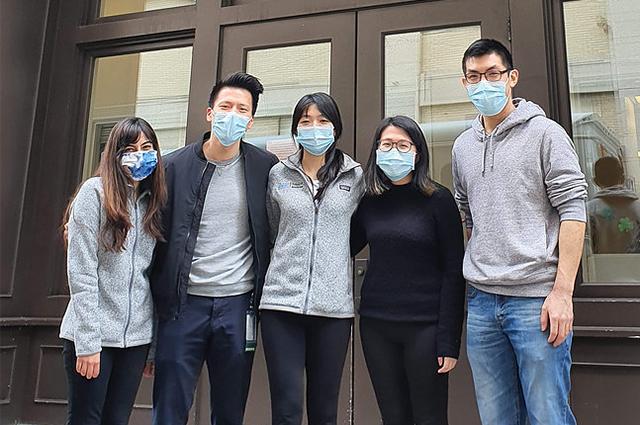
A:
[415,260]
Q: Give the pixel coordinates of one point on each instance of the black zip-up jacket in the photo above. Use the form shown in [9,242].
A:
[188,174]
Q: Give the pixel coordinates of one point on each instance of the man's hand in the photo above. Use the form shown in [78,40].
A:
[446,364]
[557,315]
[88,366]
[149,370]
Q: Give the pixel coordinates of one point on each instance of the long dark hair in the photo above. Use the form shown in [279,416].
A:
[115,185]
[333,157]
[376,182]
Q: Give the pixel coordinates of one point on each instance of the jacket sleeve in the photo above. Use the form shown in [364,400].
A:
[451,246]
[460,192]
[565,184]
[358,237]
[273,212]
[82,269]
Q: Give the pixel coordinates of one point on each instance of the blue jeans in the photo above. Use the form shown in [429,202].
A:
[211,330]
[519,377]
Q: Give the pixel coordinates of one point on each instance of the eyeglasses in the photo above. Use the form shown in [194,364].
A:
[491,75]
[402,145]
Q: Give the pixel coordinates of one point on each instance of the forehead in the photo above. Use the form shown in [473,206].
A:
[394,133]
[485,62]
[312,111]
[234,95]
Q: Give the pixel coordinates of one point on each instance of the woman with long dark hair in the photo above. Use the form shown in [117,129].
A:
[412,299]
[112,225]
[307,300]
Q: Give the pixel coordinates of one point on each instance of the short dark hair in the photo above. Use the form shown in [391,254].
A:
[239,80]
[486,46]
[376,182]
[608,171]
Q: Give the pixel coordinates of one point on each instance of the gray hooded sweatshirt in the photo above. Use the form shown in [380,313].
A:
[515,186]
[110,301]
[310,269]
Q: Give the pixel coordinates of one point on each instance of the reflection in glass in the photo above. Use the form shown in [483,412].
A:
[151,85]
[121,7]
[604,74]
[422,81]
[287,73]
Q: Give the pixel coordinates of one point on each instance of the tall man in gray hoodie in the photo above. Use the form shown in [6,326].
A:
[518,182]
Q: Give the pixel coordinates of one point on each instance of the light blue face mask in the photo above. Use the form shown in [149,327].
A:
[489,97]
[395,164]
[229,127]
[141,163]
[315,140]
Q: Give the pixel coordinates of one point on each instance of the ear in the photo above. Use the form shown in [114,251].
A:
[463,81]
[514,77]
[209,115]
[250,124]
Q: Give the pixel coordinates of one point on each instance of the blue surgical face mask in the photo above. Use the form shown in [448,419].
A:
[489,97]
[315,140]
[395,164]
[229,127]
[140,164]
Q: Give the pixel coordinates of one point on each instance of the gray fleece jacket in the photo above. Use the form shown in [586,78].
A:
[310,269]
[515,186]
[110,303]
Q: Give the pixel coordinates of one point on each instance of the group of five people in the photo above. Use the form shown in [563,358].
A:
[172,260]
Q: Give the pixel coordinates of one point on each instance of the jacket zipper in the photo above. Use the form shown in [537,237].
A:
[133,269]
[179,308]
[313,251]
[313,239]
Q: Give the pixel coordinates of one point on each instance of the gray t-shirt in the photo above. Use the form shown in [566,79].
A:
[222,264]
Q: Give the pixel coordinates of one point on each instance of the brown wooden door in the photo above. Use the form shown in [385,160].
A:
[359,44]
[409,63]
[293,57]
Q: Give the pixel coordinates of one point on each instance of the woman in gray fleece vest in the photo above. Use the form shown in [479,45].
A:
[112,225]
[307,301]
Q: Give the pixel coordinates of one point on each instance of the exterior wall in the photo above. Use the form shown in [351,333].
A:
[44,77]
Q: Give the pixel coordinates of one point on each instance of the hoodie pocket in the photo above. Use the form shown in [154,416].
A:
[522,246]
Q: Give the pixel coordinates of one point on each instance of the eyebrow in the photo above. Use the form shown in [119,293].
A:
[488,69]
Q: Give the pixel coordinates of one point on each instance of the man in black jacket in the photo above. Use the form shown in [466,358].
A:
[207,275]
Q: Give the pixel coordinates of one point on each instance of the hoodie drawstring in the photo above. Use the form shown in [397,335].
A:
[484,153]
[492,150]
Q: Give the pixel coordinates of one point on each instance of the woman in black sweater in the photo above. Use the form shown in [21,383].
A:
[412,300]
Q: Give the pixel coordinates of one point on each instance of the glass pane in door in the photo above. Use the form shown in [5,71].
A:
[602,38]
[152,85]
[287,74]
[422,81]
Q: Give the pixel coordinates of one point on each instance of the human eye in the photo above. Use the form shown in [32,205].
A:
[473,77]
[494,75]
[405,145]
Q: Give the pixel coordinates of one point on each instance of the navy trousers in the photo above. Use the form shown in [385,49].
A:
[212,330]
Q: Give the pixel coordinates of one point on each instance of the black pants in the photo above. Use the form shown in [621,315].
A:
[293,344]
[402,362]
[107,399]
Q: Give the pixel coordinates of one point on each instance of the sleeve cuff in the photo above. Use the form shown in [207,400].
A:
[447,350]
[574,210]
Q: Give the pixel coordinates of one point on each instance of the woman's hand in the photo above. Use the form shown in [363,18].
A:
[149,370]
[446,364]
[88,366]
